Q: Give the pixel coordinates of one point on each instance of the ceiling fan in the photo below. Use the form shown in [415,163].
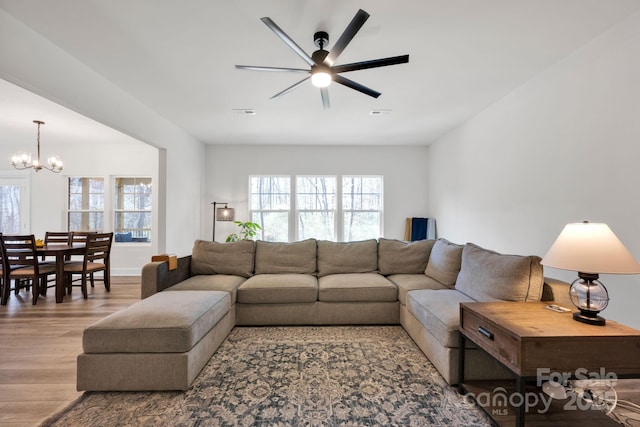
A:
[322,71]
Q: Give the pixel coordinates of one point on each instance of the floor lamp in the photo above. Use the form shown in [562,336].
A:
[221,214]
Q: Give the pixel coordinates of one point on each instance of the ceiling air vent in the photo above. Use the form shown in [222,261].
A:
[379,112]
[245,111]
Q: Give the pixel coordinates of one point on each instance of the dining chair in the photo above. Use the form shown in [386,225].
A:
[80,237]
[96,258]
[20,261]
[57,238]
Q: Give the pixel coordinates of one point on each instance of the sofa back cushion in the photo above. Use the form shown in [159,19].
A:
[234,258]
[489,276]
[280,257]
[444,262]
[399,257]
[347,257]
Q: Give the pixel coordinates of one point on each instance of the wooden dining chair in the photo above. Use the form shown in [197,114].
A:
[20,261]
[57,238]
[80,237]
[96,258]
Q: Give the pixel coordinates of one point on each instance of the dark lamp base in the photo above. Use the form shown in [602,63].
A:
[591,320]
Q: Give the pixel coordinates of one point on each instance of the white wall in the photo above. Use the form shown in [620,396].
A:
[403,168]
[562,148]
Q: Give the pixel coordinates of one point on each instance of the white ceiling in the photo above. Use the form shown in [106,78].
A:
[178,58]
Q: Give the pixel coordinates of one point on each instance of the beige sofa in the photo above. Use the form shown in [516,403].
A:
[314,282]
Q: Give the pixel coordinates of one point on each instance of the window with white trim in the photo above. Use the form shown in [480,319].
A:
[85,208]
[270,205]
[316,207]
[132,209]
[342,208]
[361,207]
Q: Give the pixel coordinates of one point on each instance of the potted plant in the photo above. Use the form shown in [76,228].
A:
[248,231]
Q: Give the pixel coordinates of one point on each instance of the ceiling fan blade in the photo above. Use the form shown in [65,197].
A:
[288,40]
[382,62]
[258,68]
[354,26]
[290,88]
[356,86]
[324,92]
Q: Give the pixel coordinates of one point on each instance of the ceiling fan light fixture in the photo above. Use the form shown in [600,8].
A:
[320,78]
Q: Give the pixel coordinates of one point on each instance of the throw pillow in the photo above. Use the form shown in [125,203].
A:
[347,257]
[399,257]
[234,258]
[444,262]
[489,276]
[280,257]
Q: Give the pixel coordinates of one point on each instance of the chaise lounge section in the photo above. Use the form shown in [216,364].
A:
[315,282]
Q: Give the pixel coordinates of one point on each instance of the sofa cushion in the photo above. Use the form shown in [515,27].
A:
[351,287]
[444,262]
[347,257]
[166,322]
[280,257]
[439,312]
[278,288]
[410,282]
[234,258]
[489,276]
[399,257]
[211,282]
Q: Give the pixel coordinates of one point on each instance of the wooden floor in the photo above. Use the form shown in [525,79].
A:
[39,346]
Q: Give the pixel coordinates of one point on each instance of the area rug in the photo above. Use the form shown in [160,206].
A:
[302,376]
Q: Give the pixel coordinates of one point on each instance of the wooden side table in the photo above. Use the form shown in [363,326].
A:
[531,340]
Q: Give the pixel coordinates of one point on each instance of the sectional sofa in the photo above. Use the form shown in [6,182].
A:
[314,282]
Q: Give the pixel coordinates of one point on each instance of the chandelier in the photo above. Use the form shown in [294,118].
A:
[24,160]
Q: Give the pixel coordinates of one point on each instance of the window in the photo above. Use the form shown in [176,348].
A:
[316,207]
[11,205]
[133,210]
[344,208]
[270,201]
[85,210]
[361,207]
[9,209]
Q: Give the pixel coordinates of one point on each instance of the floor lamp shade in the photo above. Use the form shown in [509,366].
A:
[590,249]
[225,214]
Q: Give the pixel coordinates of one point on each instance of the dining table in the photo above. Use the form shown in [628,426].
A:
[61,252]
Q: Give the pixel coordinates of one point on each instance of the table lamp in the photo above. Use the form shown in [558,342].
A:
[590,249]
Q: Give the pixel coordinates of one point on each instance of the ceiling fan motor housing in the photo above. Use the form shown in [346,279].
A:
[321,39]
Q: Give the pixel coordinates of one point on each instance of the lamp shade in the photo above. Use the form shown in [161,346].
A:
[590,248]
[225,214]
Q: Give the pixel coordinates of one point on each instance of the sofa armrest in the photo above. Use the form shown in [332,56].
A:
[556,290]
[157,277]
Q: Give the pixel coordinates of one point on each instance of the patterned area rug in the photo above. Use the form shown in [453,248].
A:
[303,376]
